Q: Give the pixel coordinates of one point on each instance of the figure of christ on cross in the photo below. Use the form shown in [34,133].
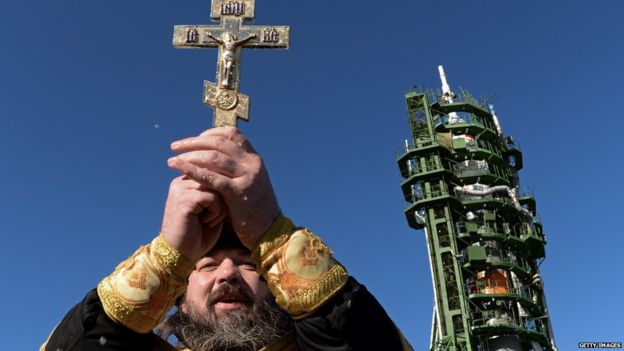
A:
[230,37]
[227,60]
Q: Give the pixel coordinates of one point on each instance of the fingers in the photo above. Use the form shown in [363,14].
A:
[217,143]
[214,161]
[211,216]
[207,204]
[231,134]
[211,180]
[212,221]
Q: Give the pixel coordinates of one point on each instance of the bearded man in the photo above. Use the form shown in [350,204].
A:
[242,275]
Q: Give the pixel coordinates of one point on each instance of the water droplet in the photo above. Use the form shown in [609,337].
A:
[102,340]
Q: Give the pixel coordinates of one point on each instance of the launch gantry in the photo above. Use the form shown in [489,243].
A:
[485,240]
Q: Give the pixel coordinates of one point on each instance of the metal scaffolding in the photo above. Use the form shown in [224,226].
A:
[485,241]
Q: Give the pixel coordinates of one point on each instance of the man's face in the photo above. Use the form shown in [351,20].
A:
[227,306]
[225,281]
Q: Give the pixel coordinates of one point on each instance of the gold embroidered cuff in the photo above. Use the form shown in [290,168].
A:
[170,259]
[144,287]
[318,293]
[300,270]
[277,234]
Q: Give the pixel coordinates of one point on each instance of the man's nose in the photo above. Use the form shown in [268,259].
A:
[228,272]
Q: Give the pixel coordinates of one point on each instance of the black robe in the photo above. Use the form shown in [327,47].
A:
[352,320]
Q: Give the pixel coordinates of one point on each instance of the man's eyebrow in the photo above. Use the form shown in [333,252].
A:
[205,259]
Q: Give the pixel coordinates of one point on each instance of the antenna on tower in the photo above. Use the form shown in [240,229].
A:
[446,89]
[447,95]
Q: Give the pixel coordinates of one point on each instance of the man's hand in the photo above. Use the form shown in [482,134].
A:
[192,220]
[223,160]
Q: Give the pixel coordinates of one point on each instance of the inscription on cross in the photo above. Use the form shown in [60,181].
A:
[230,37]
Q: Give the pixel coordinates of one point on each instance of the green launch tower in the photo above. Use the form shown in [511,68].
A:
[484,237]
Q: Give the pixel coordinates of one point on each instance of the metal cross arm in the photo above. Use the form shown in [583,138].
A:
[204,36]
[230,37]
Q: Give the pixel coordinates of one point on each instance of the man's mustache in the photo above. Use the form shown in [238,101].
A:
[231,291]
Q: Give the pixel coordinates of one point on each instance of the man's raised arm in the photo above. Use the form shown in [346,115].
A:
[121,313]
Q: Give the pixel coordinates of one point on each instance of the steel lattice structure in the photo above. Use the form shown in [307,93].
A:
[485,240]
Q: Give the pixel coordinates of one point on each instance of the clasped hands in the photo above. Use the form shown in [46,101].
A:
[222,176]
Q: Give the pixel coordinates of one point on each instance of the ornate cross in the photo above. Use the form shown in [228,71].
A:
[230,38]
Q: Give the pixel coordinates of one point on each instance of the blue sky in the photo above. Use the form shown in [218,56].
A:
[92,93]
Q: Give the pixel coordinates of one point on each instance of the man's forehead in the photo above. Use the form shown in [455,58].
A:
[227,252]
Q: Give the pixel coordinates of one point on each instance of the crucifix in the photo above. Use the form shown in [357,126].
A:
[230,38]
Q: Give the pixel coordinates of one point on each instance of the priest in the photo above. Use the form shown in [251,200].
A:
[237,273]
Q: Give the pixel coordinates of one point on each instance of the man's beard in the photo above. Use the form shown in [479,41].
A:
[247,328]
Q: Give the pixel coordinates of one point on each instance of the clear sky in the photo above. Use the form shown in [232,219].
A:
[92,93]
